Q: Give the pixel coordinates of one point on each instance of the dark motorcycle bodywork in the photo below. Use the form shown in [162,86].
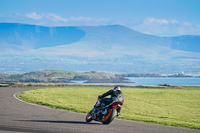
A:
[104,114]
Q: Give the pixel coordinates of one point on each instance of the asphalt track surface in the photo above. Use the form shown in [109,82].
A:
[17,116]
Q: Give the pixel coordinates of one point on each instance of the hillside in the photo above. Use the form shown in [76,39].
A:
[57,76]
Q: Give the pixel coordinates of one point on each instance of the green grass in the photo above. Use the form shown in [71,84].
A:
[173,107]
[4,85]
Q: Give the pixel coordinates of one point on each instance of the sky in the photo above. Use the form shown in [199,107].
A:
[155,17]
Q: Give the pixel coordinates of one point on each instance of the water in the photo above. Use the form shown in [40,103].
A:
[79,81]
[189,81]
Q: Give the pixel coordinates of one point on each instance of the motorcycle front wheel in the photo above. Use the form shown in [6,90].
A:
[88,117]
[109,117]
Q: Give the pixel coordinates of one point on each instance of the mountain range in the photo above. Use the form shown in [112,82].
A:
[110,48]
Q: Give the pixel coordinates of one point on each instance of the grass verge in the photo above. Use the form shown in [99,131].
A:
[173,107]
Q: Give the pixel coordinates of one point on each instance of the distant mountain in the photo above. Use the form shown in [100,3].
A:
[186,43]
[101,48]
[34,36]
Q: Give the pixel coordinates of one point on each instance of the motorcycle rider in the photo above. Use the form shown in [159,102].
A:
[116,94]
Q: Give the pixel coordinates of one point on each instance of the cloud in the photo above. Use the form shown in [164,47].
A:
[54,17]
[150,21]
[173,21]
[80,20]
[157,21]
[187,24]
[153,26]
[49,16]
[188,28]
[33,15]
[165,27]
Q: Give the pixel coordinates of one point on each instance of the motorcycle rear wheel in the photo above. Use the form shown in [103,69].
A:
[109,117]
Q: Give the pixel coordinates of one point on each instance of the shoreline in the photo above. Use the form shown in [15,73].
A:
[93,84]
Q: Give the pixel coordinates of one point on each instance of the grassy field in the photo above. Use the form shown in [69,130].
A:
[174,107]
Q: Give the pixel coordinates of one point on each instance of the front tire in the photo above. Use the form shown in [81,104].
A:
[109,117]
[88,117]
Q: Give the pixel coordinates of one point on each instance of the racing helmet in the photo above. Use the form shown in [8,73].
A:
[116,88]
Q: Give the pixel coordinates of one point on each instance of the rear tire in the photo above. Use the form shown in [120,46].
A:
[110,116]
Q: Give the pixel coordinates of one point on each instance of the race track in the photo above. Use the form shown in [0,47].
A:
[18,116]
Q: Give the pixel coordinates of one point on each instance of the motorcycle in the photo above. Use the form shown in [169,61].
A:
[104,113]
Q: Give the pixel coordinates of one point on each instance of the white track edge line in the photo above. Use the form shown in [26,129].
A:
[15,96]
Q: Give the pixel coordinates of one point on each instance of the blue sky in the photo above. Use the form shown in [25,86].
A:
[155,17]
